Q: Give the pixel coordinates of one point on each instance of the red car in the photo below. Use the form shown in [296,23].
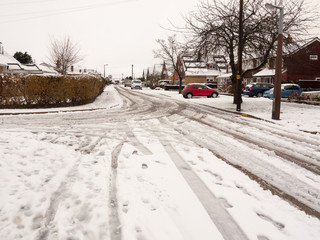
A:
[198,89]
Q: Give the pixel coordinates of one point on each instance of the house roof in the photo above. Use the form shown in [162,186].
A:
[316,39]
[47,69]
[226,75]
[5,58]
[14,66]
[31,67]
[202,72]
[265,73]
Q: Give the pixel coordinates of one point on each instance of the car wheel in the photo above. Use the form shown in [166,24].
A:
[189,95]
[259,94]
[214,95]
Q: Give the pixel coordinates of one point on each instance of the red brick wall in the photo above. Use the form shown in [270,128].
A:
[299,65]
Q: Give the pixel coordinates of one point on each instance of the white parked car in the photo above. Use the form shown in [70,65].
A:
[136,84]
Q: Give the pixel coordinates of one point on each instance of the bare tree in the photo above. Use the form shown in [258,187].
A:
[171,51]
[214,28]
[63,54]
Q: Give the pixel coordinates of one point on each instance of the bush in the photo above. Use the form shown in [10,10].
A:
[37,91]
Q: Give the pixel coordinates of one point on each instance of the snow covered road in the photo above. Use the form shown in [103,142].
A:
[145,165]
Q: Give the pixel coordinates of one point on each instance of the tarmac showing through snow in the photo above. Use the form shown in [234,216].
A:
[152,165]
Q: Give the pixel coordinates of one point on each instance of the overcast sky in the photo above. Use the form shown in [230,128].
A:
[114,32]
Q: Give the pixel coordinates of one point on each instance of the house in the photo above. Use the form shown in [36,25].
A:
[181,67]
[300,65]
[224,81]
[80,71]
[8,64]
[153,75]
[200,70]
[304,63]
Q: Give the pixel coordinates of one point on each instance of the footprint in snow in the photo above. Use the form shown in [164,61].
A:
[217,176]
[260,237]
[225,203]
[125,206]
[36,221]
[278,225]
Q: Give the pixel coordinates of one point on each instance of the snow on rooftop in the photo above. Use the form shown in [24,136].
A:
[265,73]
[202,72]
[226,75]
[6,58]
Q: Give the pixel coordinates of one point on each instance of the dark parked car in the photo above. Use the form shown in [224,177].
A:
[257,89]
[198,89]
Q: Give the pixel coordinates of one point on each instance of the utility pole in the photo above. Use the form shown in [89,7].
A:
[104,70]
[240,49]
[132,72]
[278,76]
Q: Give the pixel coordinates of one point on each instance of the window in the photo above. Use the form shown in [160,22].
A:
[314,57]
[202,87]
[194,86]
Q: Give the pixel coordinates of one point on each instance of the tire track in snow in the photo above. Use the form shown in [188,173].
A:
[137,144]
[272,128]
[115,225]
[56,197]
[226,225]
[305,202]
[306,162]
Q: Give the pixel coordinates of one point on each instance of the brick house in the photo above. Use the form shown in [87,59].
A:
[180,66]
[304,64]
[301,65]
[199,71]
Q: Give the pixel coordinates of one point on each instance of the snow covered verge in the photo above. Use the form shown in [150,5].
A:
[55,180]
[304,117]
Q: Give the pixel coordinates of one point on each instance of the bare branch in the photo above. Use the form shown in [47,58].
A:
[63,54]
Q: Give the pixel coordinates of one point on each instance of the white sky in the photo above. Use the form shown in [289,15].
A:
[114,32]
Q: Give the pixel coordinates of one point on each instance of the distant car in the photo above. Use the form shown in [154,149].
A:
[198,89]
[136,84]
[163,83]
[287,90]
[257,89]
[127,83]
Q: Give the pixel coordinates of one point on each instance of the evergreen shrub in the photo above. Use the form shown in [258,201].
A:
[49,91]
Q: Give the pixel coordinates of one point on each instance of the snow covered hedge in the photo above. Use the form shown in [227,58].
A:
[38,91]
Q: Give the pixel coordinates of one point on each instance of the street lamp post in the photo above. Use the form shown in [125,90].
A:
[104,70]
[277,81]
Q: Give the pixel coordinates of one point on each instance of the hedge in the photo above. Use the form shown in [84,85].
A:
[48,91]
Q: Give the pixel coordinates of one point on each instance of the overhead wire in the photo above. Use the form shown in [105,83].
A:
[10,3]
[41,14]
